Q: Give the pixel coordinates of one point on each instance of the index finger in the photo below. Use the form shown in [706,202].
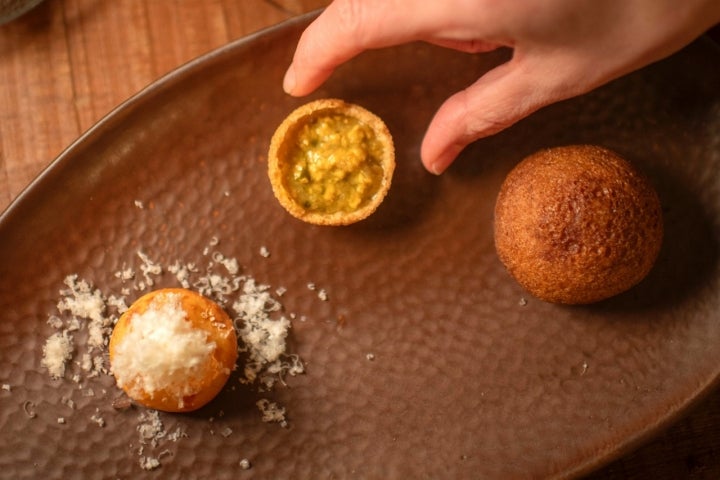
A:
[348,27]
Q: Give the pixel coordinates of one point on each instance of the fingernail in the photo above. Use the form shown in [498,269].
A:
[435,168]
[289,81]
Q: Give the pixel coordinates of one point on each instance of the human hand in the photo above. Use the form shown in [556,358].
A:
[561,49]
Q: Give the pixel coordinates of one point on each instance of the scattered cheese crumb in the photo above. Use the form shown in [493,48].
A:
[98,419]
[55,322]
[68,401]
[264,252]
[139,204]
[117,302]
[149,463]
[231,265]
[271,412]
[370,356]
[148,268]
[152,432]
[61,420]
[125,273]
[81,300]
[57,351]
[245,464]
[150,428]
[322,295]
[263,336]
[522,301]
[6,387]
[583,367]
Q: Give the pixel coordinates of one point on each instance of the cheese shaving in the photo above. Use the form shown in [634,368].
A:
[263,336]
[57,352]
[162,351]
[271,412]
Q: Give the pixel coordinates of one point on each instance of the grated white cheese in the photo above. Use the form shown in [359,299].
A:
[87,308]
[82,301]
[263,336]
[55,322]
[117,302]
[98,419]
[149,463]
[230,264]
[182,272]
[125,273]
[57,352]
[148,268]
[271,412]
[162,351]
[151,431]
[68,401]
[150,428]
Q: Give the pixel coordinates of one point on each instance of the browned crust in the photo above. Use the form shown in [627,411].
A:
[204,314]
[577,224]
[278,153]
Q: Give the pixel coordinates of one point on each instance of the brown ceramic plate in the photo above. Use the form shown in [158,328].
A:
[426,360]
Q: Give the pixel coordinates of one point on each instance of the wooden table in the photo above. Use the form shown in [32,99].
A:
[67,63]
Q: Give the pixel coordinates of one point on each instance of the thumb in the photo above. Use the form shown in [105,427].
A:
[501,97]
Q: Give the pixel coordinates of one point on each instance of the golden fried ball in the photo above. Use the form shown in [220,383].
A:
[173,350]
[577,224]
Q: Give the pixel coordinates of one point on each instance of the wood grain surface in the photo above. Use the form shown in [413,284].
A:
[67,63]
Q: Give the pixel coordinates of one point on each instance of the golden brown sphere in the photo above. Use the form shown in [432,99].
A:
[577,224]
[173,350]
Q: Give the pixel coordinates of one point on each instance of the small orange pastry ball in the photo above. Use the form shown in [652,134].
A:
[577,224]
[173,350]
[331,162]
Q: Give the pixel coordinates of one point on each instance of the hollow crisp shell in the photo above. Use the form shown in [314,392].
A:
[204,315]
[577,224]
[280,149]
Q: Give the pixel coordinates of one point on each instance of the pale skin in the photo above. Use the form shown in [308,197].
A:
[561,49]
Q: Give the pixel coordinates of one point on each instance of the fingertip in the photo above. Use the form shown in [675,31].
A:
[439,161]
[444,139]
[497,100]
[290,80]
